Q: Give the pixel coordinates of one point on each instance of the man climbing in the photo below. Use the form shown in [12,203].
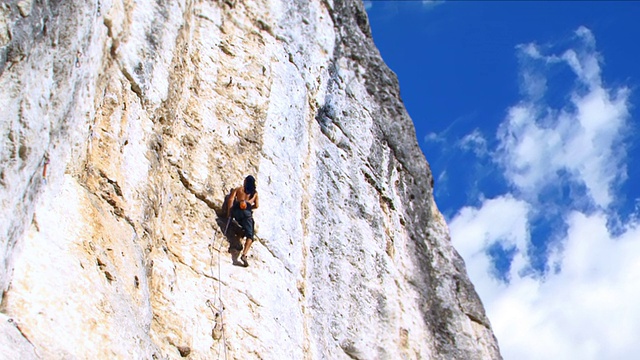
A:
[240,205]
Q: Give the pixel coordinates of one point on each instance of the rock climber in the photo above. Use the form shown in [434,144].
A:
[242,201]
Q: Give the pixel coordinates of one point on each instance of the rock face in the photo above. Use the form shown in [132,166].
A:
[123,126]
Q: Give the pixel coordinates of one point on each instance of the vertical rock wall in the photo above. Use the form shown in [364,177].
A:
[124,124]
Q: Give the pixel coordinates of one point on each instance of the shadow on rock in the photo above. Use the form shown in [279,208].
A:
[232,231]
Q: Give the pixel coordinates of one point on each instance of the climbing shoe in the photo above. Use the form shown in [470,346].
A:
[244,260]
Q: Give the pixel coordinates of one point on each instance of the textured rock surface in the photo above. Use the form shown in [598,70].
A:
[124,124]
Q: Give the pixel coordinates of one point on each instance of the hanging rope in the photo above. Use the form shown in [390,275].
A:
[218,312]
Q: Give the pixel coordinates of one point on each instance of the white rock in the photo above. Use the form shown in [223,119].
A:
[25,7]
[13,344]
[149,113]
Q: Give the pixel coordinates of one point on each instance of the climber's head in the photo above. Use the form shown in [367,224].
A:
[249,184]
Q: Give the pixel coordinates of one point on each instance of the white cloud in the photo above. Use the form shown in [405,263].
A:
[473,230]
[585,305]
[582,139]
[368,5]
[587,310]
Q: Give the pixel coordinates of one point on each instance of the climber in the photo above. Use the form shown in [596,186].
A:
[242,201]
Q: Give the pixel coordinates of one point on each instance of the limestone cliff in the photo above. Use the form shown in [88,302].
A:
[124,123]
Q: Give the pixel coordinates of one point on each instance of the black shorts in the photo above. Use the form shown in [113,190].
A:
[245,219]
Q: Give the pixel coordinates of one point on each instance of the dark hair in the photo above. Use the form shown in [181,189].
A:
[250,185]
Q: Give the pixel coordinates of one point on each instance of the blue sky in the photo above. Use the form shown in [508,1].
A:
[528,115]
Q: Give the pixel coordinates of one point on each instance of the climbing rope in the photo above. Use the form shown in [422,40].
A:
[218,312]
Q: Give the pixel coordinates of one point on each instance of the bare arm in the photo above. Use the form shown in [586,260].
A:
[254,201]
[230,201]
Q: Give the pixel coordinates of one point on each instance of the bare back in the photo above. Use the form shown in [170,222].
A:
[243,196]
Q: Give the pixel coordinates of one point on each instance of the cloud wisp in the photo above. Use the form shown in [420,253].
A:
[474,142]
[424,5]
[430,4]
[583,303]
